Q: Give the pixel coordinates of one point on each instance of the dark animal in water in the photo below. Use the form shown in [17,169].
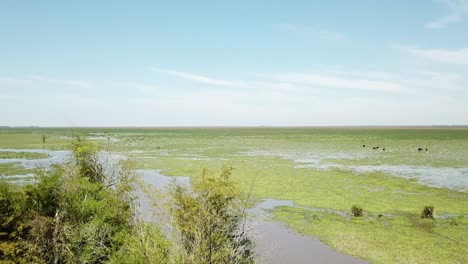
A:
[420,149]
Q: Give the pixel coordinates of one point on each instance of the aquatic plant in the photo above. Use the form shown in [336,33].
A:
[356,211]
[428,212]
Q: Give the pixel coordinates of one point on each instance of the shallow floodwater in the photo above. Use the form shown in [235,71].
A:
[55,156]
[159,182]
[454,178]
[445,177]
[275,242]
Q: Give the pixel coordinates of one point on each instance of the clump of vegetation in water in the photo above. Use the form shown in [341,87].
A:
[428,212]
[356,211]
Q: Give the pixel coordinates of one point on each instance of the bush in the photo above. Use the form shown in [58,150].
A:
[428,212]
[356,211]
[209,221]
[75,213]
[145,244]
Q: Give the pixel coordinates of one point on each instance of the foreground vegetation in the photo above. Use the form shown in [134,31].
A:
[323,195]
[86,212]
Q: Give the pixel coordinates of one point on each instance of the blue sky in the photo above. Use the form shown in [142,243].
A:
[200,63]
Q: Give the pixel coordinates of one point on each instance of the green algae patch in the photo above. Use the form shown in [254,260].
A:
[400,238]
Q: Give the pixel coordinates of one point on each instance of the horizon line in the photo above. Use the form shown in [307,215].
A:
[248,126]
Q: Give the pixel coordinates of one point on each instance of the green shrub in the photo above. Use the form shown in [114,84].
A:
[356,211]
[145,244]
[210,221]
[428,212]
[74,213]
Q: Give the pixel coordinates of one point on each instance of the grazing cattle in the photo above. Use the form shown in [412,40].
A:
[420,149]
[383,149]
[376,147]
[426,149]
[363,146]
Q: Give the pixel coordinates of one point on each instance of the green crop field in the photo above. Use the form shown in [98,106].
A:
[324,171]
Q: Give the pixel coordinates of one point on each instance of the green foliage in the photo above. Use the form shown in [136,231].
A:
[210,221]
[428,212]
[71,215]
[356,211]
[43,137]
[79,213]
[10,208]
[145,244]
[43,197]
[87,161]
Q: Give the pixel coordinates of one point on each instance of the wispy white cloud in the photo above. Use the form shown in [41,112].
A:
[198,78]
[297,82]
[458,9]
[311,32]
[458,56]
[341,82]
[66,82]
[320,97]
[326,82]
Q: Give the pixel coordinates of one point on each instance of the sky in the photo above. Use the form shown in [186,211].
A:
[233,63]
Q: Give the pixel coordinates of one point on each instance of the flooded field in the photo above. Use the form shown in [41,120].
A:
[275,242]
[52,157]
[305,182]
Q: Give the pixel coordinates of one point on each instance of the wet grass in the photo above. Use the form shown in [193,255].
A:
[22,155]
[13,168]
[401,238]
[399,235]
